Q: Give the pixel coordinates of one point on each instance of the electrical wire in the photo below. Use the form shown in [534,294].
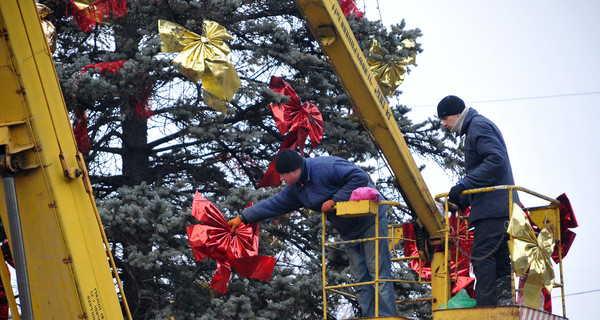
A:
[520,99]
[578,293]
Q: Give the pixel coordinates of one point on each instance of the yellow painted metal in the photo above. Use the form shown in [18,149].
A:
[396,233]
[360,208]
[440,283]
[69,272]
[330,27]
[546,215]
[493,313]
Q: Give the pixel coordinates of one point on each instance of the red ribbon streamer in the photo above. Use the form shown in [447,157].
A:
[237,250]
[295,119]
[465,241]
[97,12]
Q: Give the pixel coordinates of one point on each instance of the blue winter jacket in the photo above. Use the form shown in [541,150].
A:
[486,165]
[324,178]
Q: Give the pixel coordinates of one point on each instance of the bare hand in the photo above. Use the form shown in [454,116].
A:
[234,223]
[328,206]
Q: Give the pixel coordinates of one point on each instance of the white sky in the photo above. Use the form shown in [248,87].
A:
[497,50]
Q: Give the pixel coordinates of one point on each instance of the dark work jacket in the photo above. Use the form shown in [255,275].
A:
[322,178]
[486,165]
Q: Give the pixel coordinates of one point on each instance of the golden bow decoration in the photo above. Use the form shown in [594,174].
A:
[205,57]
[531,256]
[390,74]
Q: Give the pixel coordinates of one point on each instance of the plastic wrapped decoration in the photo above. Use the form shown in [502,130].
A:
[203,57]
[47,26]
[297,121]
[238,250]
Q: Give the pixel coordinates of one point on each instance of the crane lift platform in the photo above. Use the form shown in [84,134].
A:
[334,35]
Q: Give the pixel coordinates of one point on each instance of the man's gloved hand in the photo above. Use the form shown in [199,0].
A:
[234,223]
[327,206]
[454,195]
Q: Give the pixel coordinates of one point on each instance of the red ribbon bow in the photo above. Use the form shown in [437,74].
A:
[237,250]
[295,119]
[349,8]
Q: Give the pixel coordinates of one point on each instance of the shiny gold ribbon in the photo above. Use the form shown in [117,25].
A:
[389,74]
[205,57]
[83,4]
[531,256]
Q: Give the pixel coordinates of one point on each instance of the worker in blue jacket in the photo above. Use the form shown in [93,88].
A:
[318,184]
[486,165]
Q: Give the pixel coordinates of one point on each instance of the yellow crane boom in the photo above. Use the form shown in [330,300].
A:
[330,27]
[54,230]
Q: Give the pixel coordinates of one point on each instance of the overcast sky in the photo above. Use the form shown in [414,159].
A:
[532,67]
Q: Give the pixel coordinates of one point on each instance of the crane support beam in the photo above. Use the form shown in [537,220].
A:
[330,27]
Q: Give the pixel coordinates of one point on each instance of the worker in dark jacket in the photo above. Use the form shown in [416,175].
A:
[486,165]
[318,184]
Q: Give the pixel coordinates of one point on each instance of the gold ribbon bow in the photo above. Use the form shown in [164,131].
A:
[531,256]
[390,74]
[205,57]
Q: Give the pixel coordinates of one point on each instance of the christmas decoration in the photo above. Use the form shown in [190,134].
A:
[80,130]
[389,73]
[205,57]
[237,250]
[89,13]
[462,240]
[48,27]
[531,256]
[567,221]
[295,119]
[140,104]
[350,8]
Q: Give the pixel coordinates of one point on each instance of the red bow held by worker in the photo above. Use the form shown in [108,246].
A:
[238,250]
[297,121]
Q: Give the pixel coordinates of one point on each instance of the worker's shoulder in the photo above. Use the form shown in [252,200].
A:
[325,159]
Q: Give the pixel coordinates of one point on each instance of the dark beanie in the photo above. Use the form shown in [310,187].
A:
[288,160]
[450,105]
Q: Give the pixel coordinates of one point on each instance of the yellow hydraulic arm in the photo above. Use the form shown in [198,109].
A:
[330,27]
[58,244]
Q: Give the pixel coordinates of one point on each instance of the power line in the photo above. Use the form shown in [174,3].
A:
[578,293]
[520,99]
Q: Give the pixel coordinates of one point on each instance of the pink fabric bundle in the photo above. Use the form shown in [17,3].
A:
[365,193]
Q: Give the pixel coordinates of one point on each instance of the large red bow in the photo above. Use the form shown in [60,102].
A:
[349,8]
[295,119]
[567,221]
[460,271]
[237,250]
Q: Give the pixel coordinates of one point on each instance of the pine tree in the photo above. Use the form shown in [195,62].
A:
[145,167]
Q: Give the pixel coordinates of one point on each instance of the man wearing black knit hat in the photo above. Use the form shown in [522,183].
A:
[486,165]
[317,184]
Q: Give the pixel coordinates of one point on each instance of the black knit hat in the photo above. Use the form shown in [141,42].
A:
[288,160]
[450,105]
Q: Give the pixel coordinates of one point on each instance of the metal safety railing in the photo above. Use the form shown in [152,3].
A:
[369,209]
[540,215]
